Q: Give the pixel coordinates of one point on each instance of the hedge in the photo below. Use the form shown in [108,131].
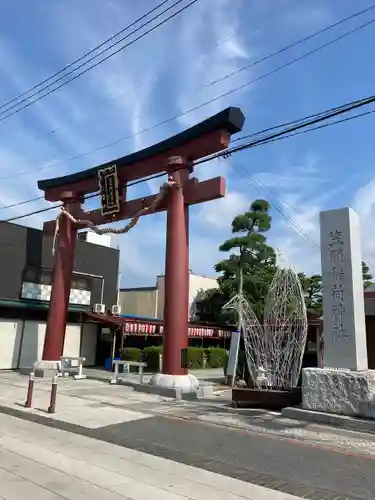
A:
[213,357]
[131,354]
[151,357]
[216,357]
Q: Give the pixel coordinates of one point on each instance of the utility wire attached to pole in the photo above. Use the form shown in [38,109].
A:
[50,89]
[302,125]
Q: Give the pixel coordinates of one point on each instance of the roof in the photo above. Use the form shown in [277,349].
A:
[139,289]
[123,318]
[35,304]
[230,119]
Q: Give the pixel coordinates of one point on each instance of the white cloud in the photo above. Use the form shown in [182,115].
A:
[211,26]
[218,214]
[307,17]
[364,203]
[160,76]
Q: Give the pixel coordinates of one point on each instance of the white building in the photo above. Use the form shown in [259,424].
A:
[148,302]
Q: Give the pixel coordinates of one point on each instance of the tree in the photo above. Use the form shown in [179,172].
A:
[366,275]
[312,286]
[248,270]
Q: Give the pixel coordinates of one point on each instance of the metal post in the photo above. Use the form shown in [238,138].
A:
[30,390]
[52,403]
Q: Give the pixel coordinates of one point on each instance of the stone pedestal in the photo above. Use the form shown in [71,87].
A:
[185,383]
[45,368]
[339,391]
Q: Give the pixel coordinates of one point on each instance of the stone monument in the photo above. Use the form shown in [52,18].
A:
[344,385]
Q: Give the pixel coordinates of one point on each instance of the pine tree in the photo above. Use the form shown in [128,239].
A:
[250,267]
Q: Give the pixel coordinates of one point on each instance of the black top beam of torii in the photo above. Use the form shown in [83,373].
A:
[193,143]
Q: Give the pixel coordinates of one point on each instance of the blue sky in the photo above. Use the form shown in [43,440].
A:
[164,74]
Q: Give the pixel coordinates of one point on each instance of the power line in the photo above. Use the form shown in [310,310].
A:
[35,212]
[319,118]
[183,113]
[318,127]
[148,82]
[51,91]
[83,56]
[21,203]
[292,45]
[262,189]
[286,133]
[283,49]
[153,80]
[308,117]
[88,197]
[221,96]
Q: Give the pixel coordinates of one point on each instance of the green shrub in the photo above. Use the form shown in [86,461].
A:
[151,356]
[196,357]
[213,357]
[131,354]
[216,357]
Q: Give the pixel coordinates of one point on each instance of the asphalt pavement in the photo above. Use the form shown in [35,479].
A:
[260,448]
[288,465]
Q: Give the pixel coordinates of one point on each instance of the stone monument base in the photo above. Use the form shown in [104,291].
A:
[339,391]
[45,368]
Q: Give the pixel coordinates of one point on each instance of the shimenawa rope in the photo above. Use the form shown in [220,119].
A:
[115,230]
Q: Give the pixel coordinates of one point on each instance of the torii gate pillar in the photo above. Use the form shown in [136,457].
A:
[176,307]
[61,283]
[176,283]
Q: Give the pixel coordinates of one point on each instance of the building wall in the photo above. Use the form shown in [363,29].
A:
[197,284]
[160,285]
[370,306]
[139,302]
[18,247]
[148,302]
[89,342]
[370,338]
[10,343]
[22,340]
[22,247]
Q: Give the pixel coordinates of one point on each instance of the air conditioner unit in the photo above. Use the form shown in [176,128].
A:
[99,308]
[116,310]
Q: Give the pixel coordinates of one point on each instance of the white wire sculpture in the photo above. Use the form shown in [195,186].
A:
[275,350]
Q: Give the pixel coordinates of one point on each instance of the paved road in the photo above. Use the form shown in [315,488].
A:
[257,447]
[288,465]
[41,463]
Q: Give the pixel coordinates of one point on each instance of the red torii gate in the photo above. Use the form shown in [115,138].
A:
[174,156]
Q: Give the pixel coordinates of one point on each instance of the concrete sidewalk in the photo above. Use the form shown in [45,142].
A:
[40,463]
[252,446]
[88,403]
[91,405]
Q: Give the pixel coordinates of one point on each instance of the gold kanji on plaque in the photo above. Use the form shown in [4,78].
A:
[109,190]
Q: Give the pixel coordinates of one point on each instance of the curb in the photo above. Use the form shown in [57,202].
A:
[345,422]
